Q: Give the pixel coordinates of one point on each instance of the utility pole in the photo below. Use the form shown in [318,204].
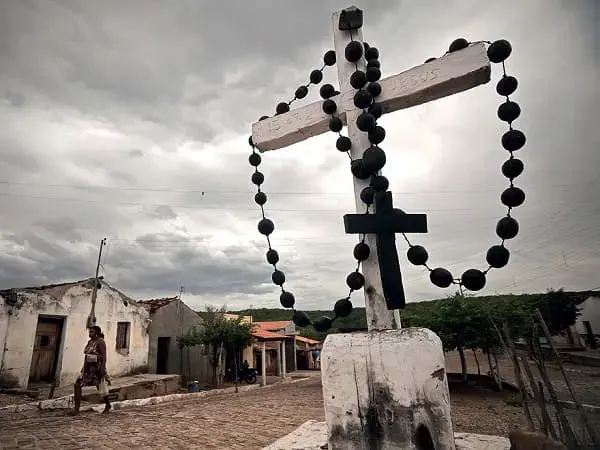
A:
[91,321]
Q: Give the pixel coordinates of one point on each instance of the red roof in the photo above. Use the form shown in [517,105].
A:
[307,340]
[156,303]
[265,335]
[274,325]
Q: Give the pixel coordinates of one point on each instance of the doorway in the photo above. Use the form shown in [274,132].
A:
[162,355]
[46,348]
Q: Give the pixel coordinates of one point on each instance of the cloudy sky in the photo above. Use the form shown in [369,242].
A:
[129,120]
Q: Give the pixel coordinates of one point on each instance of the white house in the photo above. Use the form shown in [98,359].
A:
[589,312]
[43,332]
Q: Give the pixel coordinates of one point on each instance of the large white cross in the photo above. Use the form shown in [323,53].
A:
[450,74]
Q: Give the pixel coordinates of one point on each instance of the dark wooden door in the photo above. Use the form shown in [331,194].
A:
[45,349]
[162,355]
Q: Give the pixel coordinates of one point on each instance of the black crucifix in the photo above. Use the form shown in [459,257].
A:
[385,223]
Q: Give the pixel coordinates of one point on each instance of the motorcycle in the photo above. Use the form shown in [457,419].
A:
[248,375]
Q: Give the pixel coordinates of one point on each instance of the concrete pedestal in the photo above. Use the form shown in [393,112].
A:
[386,387]
[312,435]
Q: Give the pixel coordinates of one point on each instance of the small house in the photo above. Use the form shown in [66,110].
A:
[170,319]
[43,332]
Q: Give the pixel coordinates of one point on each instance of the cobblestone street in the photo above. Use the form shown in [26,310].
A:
[246,421]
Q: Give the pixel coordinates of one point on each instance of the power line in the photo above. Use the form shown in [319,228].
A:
[212,208]
[197,190]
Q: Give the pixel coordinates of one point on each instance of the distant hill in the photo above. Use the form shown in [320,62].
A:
[357,319]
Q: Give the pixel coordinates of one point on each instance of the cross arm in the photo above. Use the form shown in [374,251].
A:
[394,222]
[448,75]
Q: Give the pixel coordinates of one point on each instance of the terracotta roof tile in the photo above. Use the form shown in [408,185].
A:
[265,335]
[273,325]
[306,340]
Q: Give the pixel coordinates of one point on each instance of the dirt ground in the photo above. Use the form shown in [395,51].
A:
[488,412]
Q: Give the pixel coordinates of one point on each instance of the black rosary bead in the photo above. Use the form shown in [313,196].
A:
[374,159]
[326,91]
[507,228]
[300,319]
[441,277]
[343,307]
[367,195]
[254,159]
[473,279]
[362,99]
[373,63]
[499,51]
[322,324]
[316,76]
[376,109]
[361,251]
[343,143]
[272,256]
[428,60]
[358,169]
[278,277]
[417,255]
[366,46]
[261,118]
[372,53]
[250,141]
[458,44]
[507,85]
[512,168]
[512,197]
[258,178]
[329,58]
[336,124]
[282,108]
[266,226]
[366,122]
[329,106]
[375,89]
[287,299]
[377,135]
[260,198]
[355,281]
[513,140]
[358,79]
[353,51]
[373,74]
[380,183]
[301,92]
[497,256]
[509,111]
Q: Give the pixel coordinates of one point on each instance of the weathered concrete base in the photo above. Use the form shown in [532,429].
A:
[387,387]
[312,435]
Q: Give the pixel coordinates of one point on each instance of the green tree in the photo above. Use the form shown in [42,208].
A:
[220,334]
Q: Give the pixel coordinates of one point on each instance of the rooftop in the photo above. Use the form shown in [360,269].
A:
[274,325]
[265,335]
[155,304]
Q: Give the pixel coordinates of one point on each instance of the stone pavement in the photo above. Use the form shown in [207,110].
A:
[249,420]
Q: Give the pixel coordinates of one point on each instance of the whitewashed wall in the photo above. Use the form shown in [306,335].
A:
[590,311]
[73,303]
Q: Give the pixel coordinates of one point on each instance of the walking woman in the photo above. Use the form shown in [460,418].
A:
[94,369]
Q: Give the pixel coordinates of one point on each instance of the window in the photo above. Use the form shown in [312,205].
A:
[123,335]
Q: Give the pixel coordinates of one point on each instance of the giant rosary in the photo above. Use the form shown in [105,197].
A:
[366,98]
